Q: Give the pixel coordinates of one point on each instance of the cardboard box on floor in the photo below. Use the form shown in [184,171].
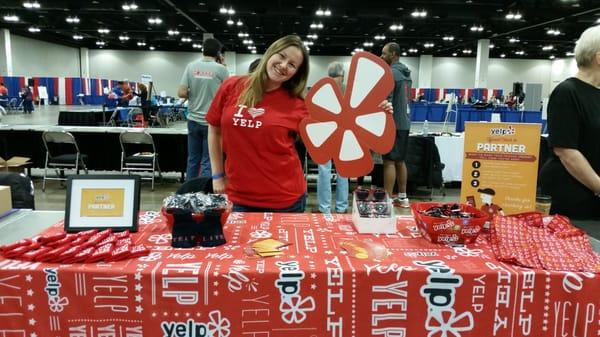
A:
[5,199]
[14,164]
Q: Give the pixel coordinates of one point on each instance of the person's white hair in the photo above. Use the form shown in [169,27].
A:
[335,69]
[587,46]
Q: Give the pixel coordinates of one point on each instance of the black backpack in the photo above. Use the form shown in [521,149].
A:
[21,189]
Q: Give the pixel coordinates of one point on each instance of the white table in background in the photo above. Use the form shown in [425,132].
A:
[25,223]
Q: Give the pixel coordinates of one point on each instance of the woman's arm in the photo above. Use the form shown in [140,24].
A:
[215,151]
[579,167]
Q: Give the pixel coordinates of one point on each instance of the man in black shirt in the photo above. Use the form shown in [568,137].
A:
[571,175]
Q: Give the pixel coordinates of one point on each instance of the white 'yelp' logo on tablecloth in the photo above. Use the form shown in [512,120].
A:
[293,307]
[55,302]
[440,293]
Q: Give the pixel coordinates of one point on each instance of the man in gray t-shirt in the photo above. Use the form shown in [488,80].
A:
[199,84]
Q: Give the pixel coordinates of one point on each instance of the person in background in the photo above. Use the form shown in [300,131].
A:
[571,176]
[199,84]
[27,97]
[127,94]
[394,168]
[335,71]
[3,90]
[144,100]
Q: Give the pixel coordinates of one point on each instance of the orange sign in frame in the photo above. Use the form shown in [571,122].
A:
[500,166]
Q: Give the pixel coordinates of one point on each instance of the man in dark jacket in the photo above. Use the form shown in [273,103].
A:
[394,168]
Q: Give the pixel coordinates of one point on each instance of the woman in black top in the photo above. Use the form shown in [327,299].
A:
[571,175]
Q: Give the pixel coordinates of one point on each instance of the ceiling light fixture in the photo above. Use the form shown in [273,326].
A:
[253,51]
[100,43]
[123,37]
[33,30]
[418,13]
[11,18]
[403,53]
[569,53]
[319,12]
[186,39]
[243,34]
[197,46]
[379,37]
[129,7]
[428,45]
[552,57]
[513,16]
[308,43]
[454,54]
[151,48]
[31,5]
[548,47]
[230,22]
[312,36]
[155,21]
[316,25]
[368,44]
[223,10]
[396,27]
[476,28]
[103,30]
[492,46]
[514,40]
[77,37]
[413,50]
[520,52]
[448,38]
[239,23]
[467,51]
[502,55]
[172,32]
[230,11]
[141,43]
[72,19]
[554,32]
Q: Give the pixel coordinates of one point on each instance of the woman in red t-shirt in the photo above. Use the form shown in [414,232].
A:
[254,121]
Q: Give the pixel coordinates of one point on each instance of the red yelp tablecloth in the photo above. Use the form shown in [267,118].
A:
[315,289]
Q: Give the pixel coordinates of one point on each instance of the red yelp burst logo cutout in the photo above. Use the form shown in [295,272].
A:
[345,127]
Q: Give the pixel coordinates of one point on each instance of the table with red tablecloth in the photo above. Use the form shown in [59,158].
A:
[315,288]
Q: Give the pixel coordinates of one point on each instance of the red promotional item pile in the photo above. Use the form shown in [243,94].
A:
[83,247]
[551,243]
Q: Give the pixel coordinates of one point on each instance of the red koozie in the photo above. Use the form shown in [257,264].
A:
[52,254]
[122,235]
[33,254]
[125,241]
[81,256]
[87,234]
[110,239]
[69,253]
[11,254]
[101,253]
[24,242]
[120,253]
[97,238]
[44,239]
[139,250]
[65,241]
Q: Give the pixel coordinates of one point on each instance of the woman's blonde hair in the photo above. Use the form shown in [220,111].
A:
[255,85]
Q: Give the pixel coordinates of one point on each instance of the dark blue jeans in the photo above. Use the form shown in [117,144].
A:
[198,162]
[297,207]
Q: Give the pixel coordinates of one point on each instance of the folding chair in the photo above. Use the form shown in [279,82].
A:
[62,152]
[138,153]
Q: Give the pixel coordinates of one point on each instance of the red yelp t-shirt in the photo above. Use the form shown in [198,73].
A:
[262,165]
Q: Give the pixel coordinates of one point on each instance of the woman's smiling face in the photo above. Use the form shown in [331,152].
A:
[283,65]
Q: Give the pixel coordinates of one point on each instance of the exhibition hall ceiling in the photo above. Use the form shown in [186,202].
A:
[516,29]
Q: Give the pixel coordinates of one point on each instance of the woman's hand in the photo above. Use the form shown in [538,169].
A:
[386,106]
[219,185]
